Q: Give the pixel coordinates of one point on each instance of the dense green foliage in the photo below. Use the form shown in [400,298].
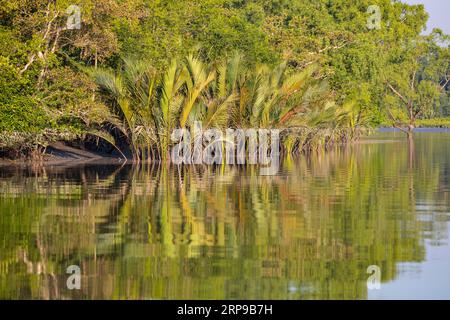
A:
[435,122]
[18,110]
[368,71]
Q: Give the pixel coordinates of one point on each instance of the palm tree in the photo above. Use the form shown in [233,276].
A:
[130,93]
[168,105]
[151,105]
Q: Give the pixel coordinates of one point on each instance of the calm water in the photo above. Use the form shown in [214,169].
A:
[225,233]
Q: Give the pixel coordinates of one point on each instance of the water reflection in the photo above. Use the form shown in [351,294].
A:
[225,232]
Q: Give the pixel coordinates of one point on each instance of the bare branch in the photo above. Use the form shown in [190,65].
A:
[395,122]
[413,80]
[336,47]
[445,84]
[398,94]
[47,32]
[30,62]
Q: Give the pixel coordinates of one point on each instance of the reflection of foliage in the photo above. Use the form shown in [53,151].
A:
[221,232]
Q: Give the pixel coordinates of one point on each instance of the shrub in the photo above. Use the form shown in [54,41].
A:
[18,111]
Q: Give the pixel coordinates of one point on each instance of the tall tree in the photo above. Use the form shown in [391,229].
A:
[417,76]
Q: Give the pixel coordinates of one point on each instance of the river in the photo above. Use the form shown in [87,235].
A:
[200,232]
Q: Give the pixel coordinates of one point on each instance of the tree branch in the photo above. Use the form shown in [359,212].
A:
[413,80]
[445,84]
[48,28]
[398,94]
[395,121]
[30,62]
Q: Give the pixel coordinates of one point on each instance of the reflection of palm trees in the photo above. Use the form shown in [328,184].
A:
[257,203]
[208,232]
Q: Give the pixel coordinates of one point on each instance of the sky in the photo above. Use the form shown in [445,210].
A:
[439,11]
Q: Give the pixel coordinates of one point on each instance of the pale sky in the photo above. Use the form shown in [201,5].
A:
[439,11]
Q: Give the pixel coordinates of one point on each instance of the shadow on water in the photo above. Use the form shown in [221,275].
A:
[226,232]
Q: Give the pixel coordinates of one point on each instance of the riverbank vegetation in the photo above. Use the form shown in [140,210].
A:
[137,69]
[434,123]
[151,104]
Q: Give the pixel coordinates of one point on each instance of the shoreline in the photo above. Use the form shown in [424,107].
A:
[417,130]
[60,154]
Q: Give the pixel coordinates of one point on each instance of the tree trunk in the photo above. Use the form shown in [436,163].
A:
[410,131]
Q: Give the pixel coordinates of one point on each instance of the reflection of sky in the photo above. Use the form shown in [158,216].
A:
[438,11]
[427,280]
